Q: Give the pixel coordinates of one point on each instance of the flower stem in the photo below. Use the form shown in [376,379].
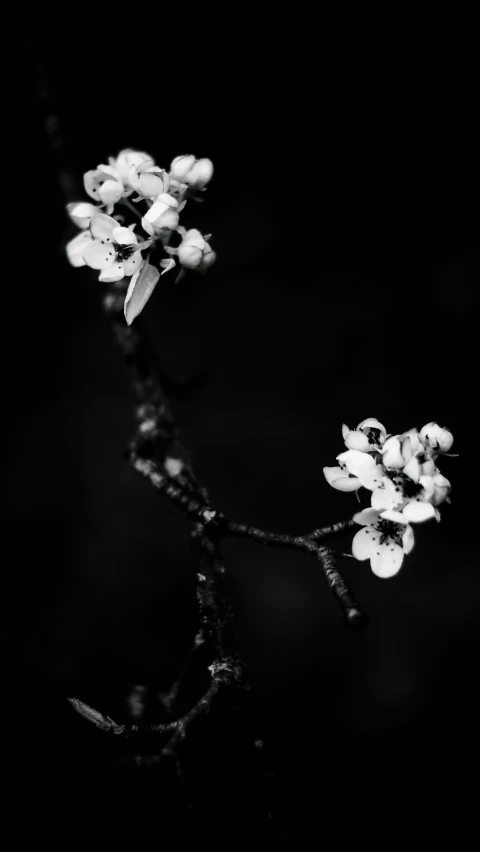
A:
[130,206]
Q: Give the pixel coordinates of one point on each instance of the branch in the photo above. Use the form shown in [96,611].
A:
[155,442]
[222,672]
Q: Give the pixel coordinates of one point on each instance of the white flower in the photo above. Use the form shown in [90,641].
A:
[392,453]
[180,166]
[126,159]
[194,252]
[195,173]
[105,185]
[363,466]
[77,246]
[162,216]
[338,478]
[148,180]
[114,250]
[437,437]
[367,437]
[381,541]
[81,213]
[414,504]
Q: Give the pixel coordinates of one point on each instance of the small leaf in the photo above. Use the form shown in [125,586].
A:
[102,722]
[167,265]
[141,287]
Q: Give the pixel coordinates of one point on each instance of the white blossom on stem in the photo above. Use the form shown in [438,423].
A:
[363,466]
[195,173]
[369,435]
[381,541]
[104,184]
[194,252]
[162,217]
[438,438]
[114,250]
[148,180]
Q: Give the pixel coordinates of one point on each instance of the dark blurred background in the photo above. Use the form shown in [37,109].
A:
[344,211]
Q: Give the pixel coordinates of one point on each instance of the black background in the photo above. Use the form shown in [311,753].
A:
[344,211]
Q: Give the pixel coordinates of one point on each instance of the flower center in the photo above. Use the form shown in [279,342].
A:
[124,252]
[373,435]
[405,486]
[390,531]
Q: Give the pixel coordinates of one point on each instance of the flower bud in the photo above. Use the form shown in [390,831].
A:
[195,173]
[180,166]
[148,180]
[81,213]
[437,437]
[162,216]
[200,174]
[194,252]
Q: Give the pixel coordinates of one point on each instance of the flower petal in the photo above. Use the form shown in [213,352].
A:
[417,511]
[356,440]
[77,246]
[180,166]
[193,237]
[366,516]
[386,497]
[337,478]
[99,255]
[372,477]
[124,236]
[114,273]
[428,487]
[133,263]
[102,226]
[208,258]
[393,515]
[90,182]
[128,158]
[111,192]
[391,453]
[408,539]
[412,469]
[442,487]
[81,212]
[428,467]
[356,462]
[150,185]
[372,423]
[387,560]
[200,174]
[364,542]
[109,171]
[189,256]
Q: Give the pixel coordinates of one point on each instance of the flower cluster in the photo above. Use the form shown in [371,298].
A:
[106,244]
[406,487]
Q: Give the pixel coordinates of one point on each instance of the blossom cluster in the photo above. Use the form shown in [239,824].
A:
[106,244]
[405,485]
